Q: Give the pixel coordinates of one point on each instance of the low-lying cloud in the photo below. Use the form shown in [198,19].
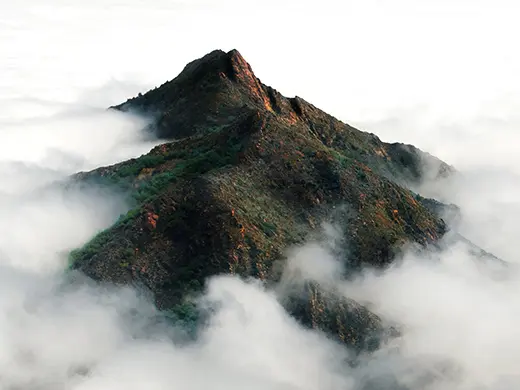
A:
[481,145]
[458,318]
[41,220]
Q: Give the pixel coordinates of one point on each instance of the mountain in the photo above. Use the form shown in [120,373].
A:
[245,173]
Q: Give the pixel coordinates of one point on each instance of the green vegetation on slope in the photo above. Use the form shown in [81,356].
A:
[146,177]
[248,174]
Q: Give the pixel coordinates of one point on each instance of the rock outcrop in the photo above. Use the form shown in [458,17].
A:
[244,173]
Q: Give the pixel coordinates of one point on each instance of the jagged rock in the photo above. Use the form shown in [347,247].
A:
[250,172]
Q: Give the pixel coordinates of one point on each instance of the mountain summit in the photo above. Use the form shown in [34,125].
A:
[246,173]
[220,86]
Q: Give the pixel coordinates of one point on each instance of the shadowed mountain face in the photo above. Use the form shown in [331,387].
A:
[245,173]
[213,91]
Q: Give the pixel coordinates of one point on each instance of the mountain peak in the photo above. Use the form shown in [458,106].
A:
[213,91]
[218,62]
[250,173]
[239,65]
[219,84]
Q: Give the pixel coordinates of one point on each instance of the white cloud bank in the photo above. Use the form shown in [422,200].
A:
[451,86]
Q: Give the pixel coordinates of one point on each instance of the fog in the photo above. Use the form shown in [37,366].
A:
[440,75]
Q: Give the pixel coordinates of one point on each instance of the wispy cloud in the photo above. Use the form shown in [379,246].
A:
[425,74]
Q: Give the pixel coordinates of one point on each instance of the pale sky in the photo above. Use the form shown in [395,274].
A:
[360,60]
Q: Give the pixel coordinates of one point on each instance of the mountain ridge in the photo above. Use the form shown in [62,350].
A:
[230,75]
[245,173]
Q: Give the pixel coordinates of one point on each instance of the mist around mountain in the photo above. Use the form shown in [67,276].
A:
[261,243]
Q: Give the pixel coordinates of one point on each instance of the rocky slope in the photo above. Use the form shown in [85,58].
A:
[244,173]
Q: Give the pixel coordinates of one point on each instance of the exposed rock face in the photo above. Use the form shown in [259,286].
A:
[247,174]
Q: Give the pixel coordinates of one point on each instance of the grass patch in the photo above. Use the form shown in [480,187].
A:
[196,158]
[90,248]
[185,315]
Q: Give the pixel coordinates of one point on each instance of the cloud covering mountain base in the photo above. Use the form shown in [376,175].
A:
[458,318]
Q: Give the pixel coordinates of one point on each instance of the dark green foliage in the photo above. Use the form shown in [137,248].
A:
[268,228]
[137,165]
[342,160]
[191,162]
[185,315]
[361,175]
[152,187]
[128,217]
[128,253]
[91,248]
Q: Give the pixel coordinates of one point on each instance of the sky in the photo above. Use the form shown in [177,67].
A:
[376,64]
[441,75]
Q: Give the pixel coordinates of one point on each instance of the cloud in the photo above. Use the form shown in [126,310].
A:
[75,138]
[453,310]
[40,221]
[457,315]
[59,330]
[317,261]
[83,336]
[397,74]
[480,144]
